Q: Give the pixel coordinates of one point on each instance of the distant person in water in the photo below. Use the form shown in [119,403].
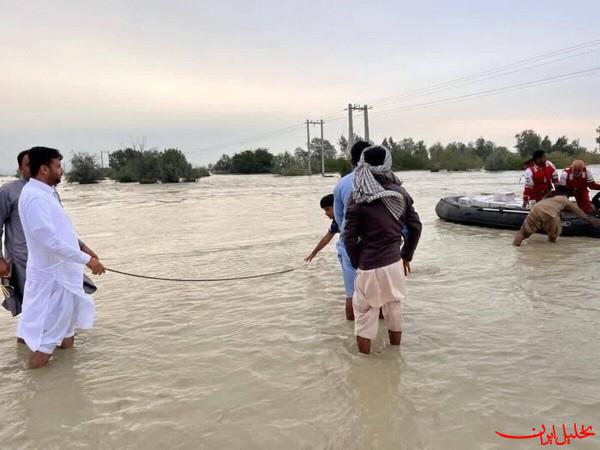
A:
[579,179]
[342,192]
[377,212]
[540,177]
[327,207]
[545,216]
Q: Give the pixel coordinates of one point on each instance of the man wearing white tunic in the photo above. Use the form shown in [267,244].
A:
[54,303]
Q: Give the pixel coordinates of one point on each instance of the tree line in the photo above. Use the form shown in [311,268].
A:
[408,154]
[133,164]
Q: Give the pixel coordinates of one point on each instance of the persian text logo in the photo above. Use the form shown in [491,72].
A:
[556,436]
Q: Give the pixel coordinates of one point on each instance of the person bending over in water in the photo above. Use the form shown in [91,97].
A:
[545,216]
[376,214]
[327,206]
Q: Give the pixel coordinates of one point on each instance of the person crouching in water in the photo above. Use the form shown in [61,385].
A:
[378,210]
[545,216]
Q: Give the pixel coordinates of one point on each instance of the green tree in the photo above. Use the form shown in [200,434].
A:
[502,159]
[528,141]
[247,162]
[343,144]
[84,169]
[197,173]
[329,152]
[483,148]
[407,154]
[454,156]
[287,164]
[223,165]
[148,167]
[174,166]
[546,144]
[119,159]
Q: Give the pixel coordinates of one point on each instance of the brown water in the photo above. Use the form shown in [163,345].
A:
[496,338]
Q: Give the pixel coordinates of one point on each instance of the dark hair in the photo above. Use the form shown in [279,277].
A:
[41,156]
[537,154]
[327,201]
[22,155]
[559,190]
[375,155]
[356,151]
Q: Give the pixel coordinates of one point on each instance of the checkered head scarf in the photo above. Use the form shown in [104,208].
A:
[366,188]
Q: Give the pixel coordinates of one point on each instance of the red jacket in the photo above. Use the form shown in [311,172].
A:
[579,184]
[538,181]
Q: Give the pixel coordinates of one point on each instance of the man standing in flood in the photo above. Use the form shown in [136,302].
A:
[341,196]
[54,303]
[377,212]
[13,259]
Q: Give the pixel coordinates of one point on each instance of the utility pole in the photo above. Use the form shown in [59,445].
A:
[308,122]
[322,151]
[350,109]
[315,122]
[366,111]
[102,152]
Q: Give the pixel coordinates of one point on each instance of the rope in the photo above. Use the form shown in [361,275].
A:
[204,280]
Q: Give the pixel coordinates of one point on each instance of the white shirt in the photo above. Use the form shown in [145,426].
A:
[54,302]
[51,239]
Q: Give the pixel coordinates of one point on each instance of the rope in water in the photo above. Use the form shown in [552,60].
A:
[204,280]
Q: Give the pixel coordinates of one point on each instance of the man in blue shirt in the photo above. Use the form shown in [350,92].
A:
[341,195]
[327,206]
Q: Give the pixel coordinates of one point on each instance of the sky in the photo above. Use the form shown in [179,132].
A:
[219,77]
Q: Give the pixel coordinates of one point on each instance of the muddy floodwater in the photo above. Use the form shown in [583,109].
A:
[496,338]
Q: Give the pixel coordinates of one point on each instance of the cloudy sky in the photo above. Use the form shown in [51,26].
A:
[218,77]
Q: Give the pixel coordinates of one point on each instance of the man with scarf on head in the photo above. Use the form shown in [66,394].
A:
[378,210]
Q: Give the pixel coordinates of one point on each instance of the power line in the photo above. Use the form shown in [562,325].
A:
[517,66]
[512,87]
[498,71]
[259,137]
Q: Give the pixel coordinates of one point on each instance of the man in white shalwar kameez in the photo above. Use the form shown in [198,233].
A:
[54,303]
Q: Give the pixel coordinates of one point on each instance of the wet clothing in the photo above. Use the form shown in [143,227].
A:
[54,301]
[15,247]
[341,195]
[373,237]
[539,181]
[545,216]
[378,288]
[376,215]
[580,186]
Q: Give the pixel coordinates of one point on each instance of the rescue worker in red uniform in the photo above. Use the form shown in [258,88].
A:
[540,177]
[579,180]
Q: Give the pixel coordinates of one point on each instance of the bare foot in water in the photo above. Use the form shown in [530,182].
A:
[67,343]
[38,359]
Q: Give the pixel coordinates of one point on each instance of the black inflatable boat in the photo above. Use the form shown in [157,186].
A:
[479,212]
